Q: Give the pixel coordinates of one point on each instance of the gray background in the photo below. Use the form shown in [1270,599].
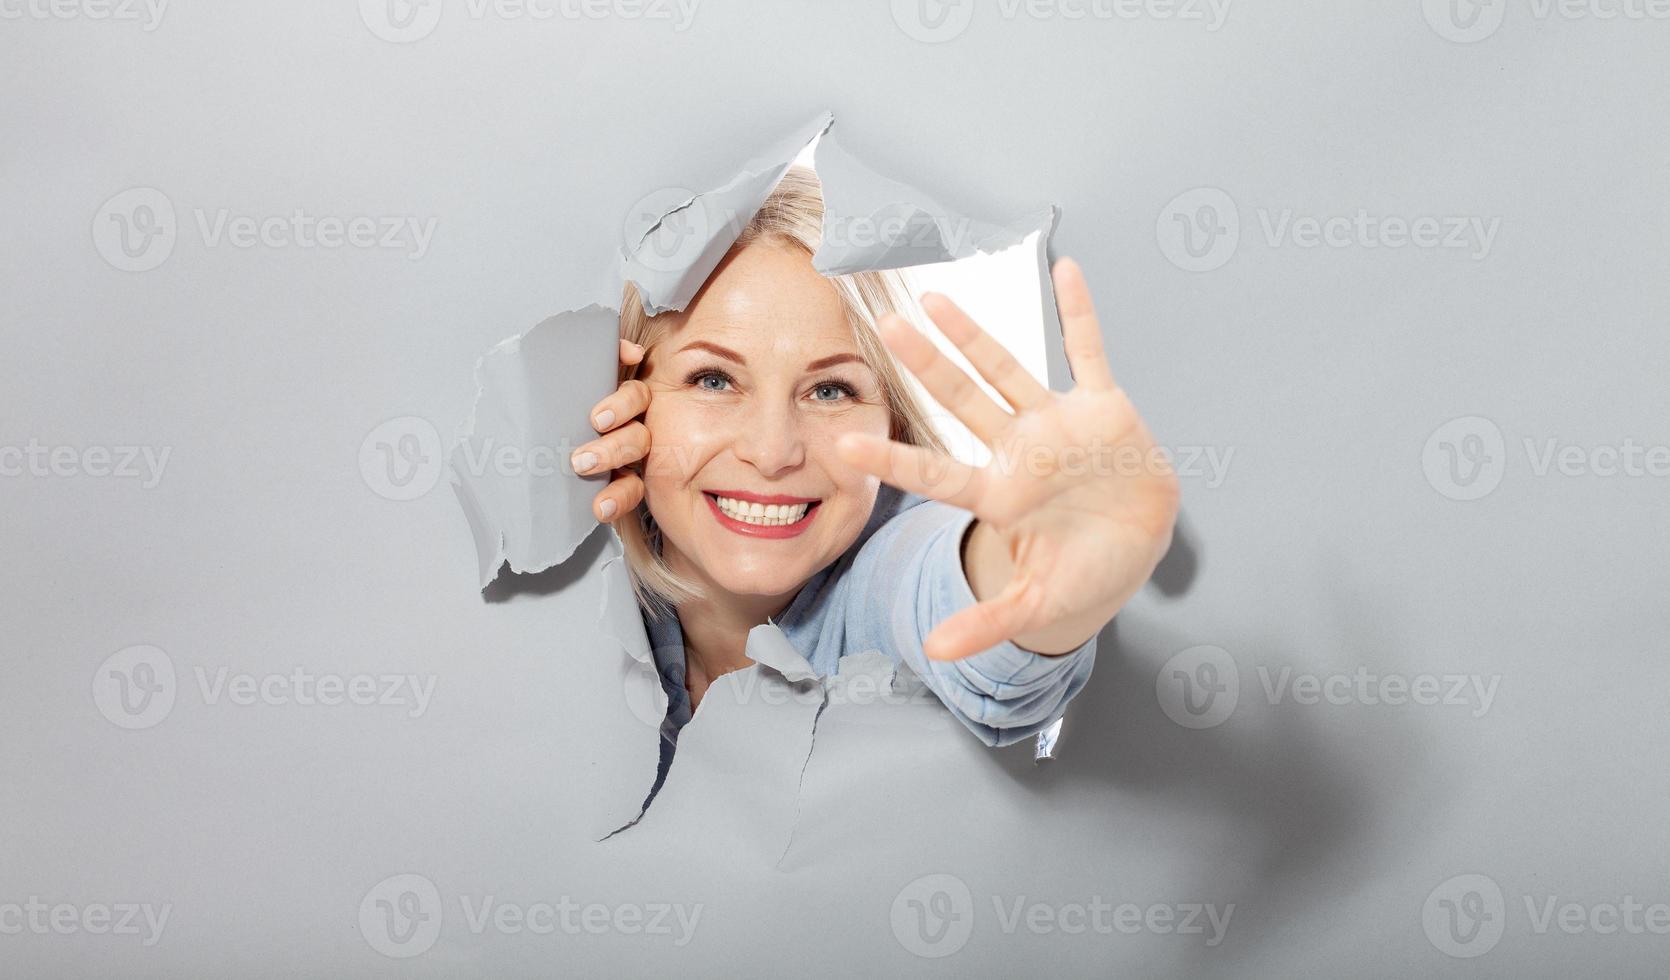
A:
[1334,543]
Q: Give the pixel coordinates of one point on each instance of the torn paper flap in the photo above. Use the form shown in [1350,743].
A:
[621,616]
[767,645]
[671,253]
[874,222]
[739,764]
[626,739]
[511,469]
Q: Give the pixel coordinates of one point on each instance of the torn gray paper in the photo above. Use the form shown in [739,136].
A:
[526,507]
[511,469]
[741,756]
[673,253]
[626,744]
[874,222]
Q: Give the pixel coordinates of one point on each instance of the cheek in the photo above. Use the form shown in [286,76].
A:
[870,420]
[682,438]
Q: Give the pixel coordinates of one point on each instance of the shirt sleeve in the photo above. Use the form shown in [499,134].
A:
[907,579]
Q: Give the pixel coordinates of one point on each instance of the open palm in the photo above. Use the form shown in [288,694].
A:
[1077,504]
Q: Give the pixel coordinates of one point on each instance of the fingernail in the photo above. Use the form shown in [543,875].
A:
[583,462]
[604,419]
[636,348]
[607,509]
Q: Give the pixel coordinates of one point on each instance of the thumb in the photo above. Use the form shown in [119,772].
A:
[985,624]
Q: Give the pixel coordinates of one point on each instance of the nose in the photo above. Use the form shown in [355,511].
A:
[769,439]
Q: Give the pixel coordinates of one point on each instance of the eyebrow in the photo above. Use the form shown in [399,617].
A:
[731,355]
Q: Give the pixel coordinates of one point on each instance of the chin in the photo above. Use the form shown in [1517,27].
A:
[769,579]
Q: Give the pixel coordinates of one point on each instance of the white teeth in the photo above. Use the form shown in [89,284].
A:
[765,515]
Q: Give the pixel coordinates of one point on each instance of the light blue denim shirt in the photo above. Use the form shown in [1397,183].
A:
[903,576]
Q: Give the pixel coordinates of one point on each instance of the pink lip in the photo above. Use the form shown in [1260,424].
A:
[757,530]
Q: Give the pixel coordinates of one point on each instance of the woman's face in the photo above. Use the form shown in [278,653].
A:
[749,392]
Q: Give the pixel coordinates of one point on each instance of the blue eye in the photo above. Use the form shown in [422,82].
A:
[701,378]
[839,387]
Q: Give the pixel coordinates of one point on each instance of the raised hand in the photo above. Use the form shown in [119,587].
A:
[625,440]
[1077,505]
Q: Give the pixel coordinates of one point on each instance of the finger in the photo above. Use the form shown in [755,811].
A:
[628,401]
[618,498]
[983,625]
[1081,335]
[914,469]
[994,362]
[627,444]
[630,353]
[949,384]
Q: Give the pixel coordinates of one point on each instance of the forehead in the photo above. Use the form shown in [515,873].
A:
[768,300]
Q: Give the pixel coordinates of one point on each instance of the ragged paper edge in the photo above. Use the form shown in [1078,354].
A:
[853,193]
[493,550]
[864,209]
[619,619]
[724,211]
[845,669]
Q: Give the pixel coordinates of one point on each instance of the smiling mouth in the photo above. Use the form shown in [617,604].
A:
[772,518]
[762,515]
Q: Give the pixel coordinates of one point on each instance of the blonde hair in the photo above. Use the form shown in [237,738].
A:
[791,217]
